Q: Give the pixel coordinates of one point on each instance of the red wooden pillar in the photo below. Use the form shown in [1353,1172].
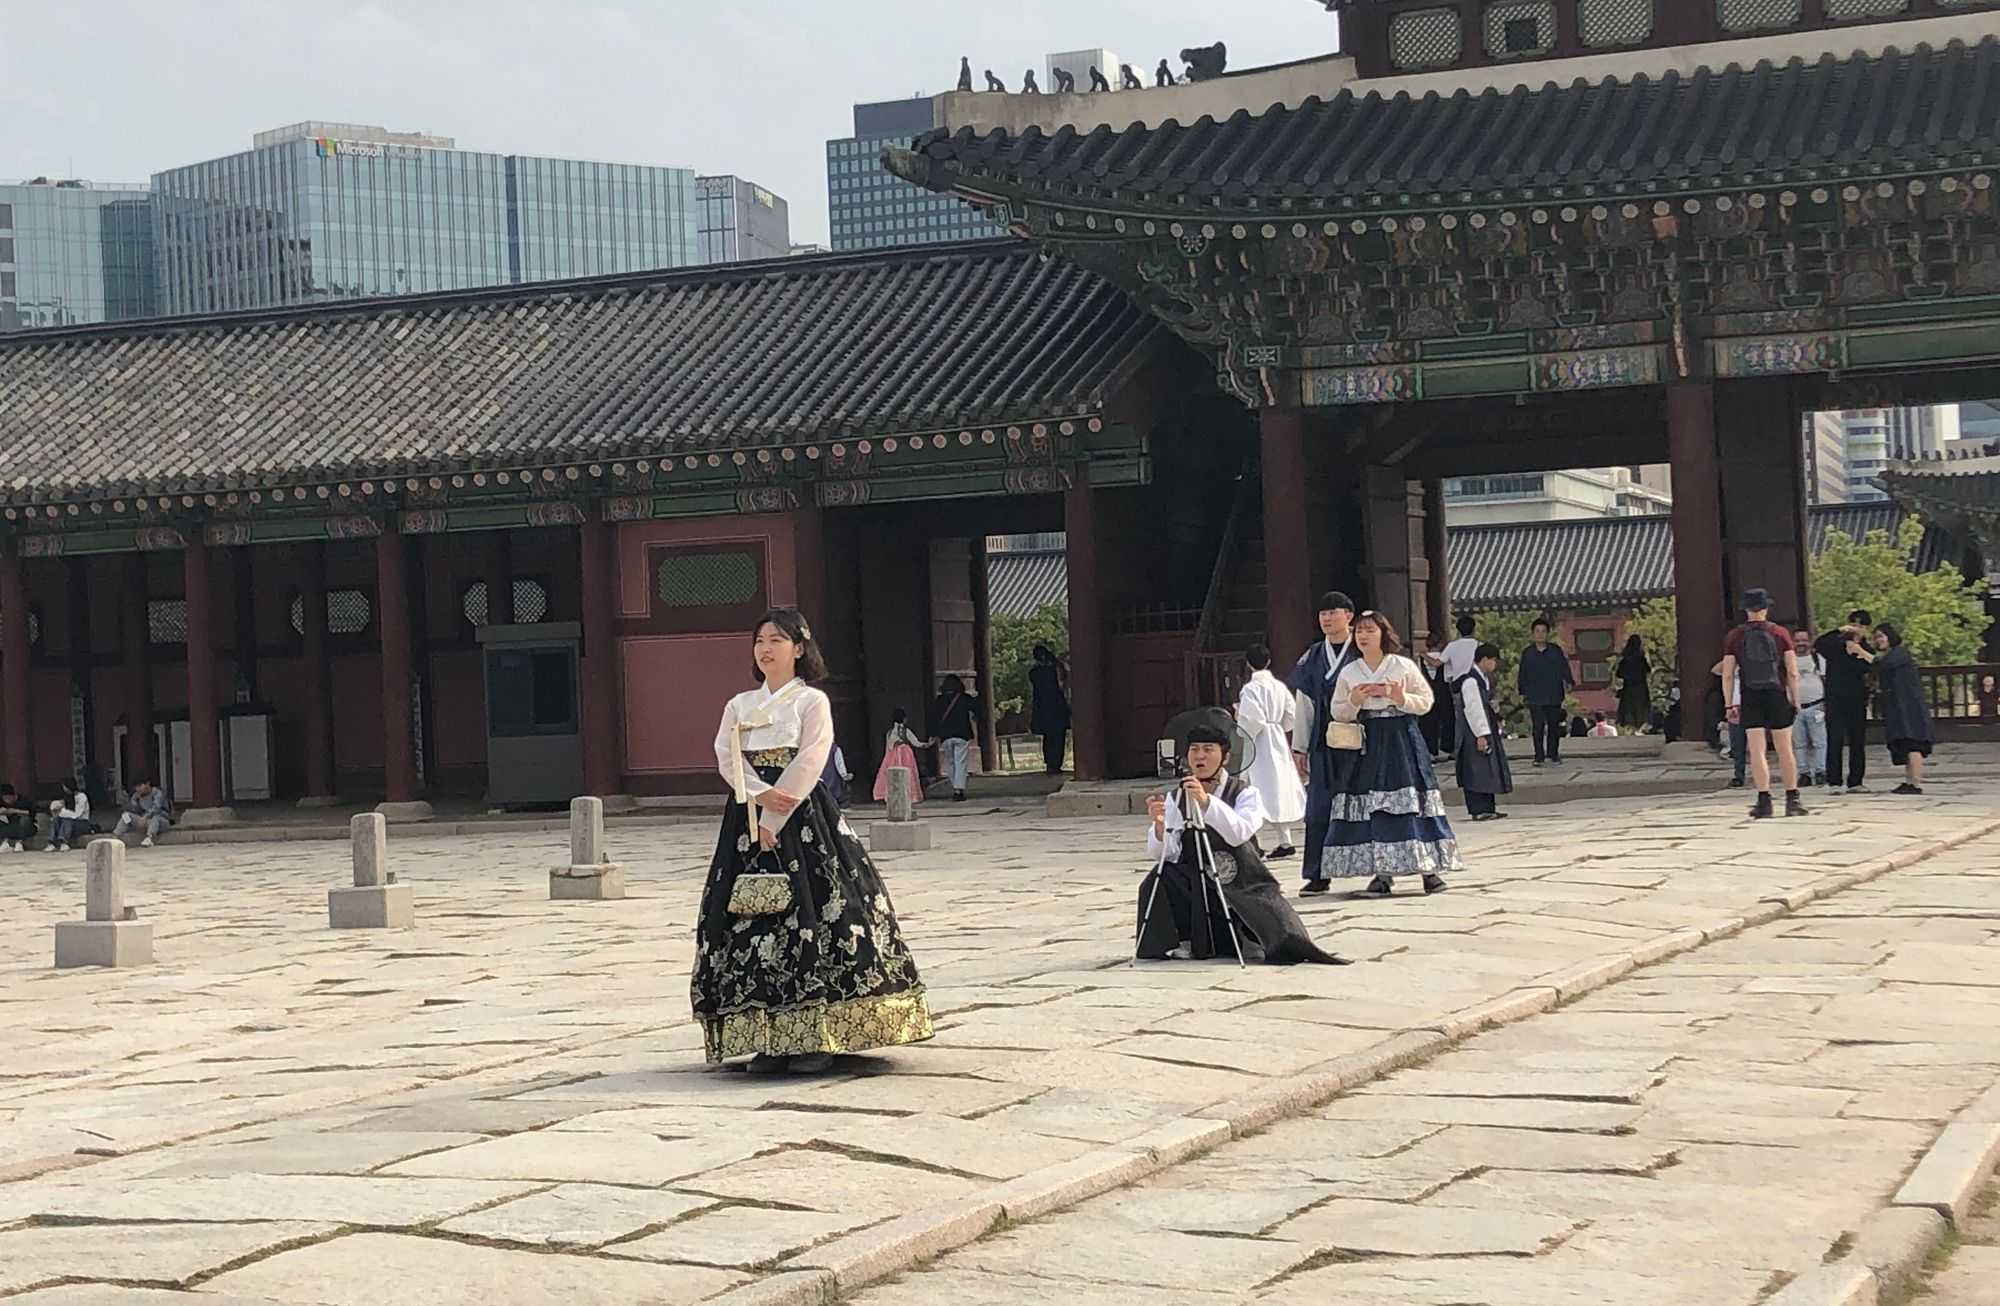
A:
[204,742]
[1287,562]
[1700,604]
[392,615]
[982,657]
[599,571]
[1086,628]
[318,723]
[134,623]
[16,709]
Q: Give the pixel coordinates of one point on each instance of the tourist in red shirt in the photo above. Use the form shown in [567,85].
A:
[1760,672]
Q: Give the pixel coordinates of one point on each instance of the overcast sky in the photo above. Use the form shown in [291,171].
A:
[115,90]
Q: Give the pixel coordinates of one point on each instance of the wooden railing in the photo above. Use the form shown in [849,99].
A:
[1954,693]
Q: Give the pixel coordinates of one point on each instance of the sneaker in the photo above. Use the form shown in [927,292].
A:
[958,795]
[1857,789]
[1793,807]
[1434,884]
[1283,851]
[1736,782]
[1805,782]
[146,842]
[48,848]
[1380,887]
[1313,887]
[1907,788]
[62,848]
[1761,810]
[1836,789]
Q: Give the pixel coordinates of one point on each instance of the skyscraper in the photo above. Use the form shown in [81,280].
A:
[1826,458]
[74,252]
[871,209]
[317,211]
[736,220]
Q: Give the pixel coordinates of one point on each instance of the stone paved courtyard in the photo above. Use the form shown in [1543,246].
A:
[508,1103]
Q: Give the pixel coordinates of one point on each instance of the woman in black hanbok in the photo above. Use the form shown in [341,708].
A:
[798,955]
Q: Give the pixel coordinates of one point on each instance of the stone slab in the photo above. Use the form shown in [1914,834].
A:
[1894,1243]
[371,907]
[1954,1170]
[1970,1278]
[404,813]
[343,1199]
[899,836]
[152,1253]
[104,943]
[604,882]
[582,1215]
[205,818]
[739,1236]
[1829,1285]
[358,1271]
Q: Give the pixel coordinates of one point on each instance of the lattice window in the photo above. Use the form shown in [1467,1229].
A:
[706,580]
[1519,28]
[1426,38]
[167,621]
[1756,15]
[348,612]
[531,602]
[1865,8]
[1603,23]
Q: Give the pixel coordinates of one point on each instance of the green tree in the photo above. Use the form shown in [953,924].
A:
[1011,647]
[1941,615]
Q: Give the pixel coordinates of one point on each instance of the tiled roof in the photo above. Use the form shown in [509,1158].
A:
[1906,110]
[1614,561]
[1019,583]
[778,352]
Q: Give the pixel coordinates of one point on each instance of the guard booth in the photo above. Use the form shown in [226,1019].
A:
[534,722]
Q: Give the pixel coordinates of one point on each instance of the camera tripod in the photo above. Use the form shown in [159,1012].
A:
[1194,826]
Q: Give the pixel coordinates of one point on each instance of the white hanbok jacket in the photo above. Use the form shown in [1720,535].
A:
[1266,711]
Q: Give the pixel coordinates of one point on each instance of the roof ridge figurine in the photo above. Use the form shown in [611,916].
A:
[965,72]
[994,83]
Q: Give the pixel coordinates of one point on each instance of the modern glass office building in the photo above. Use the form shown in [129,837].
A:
[871,209]
[320,211]
[737,220]
[74,252]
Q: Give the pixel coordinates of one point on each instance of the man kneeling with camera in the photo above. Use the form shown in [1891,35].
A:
[1210,871]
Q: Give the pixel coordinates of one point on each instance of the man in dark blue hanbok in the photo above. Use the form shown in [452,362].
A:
[1323,768]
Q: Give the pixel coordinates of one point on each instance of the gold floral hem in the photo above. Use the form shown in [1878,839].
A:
[771,758]
[886,1021]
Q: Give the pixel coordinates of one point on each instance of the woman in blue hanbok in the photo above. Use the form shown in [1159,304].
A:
[1388,818]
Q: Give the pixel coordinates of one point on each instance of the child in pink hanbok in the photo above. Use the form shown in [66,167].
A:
[900,749]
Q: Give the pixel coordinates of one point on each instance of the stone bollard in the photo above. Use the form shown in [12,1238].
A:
[902,832]
[591,875]
[110,933]
[376,902]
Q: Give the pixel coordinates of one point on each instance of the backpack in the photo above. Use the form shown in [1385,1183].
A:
[1761,657]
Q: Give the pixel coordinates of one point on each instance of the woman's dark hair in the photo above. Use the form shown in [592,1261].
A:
[791,623]
[1258,656]
[1391,641]
[1043,653]
[1890,633]
[1635,647]
[900,717]
[1466,625]
[948,685]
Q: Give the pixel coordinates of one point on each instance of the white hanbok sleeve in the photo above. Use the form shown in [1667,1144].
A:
[1476,724]
[1165,849]
[1418,696]
[815,746]
[1237,824]
[729,761]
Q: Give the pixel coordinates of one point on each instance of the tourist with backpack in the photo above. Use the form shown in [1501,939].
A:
[1761,674]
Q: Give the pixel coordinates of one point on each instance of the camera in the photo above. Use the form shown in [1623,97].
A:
[1168,764]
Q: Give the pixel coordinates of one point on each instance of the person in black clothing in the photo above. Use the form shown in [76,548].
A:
[1635,693]
[1848,661]
[1049,712]
[1544,680]
[1906,717]
[952,726]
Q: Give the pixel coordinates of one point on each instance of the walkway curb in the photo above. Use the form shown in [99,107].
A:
[870,1255]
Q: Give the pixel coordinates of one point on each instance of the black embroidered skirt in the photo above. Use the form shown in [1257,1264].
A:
[831,973]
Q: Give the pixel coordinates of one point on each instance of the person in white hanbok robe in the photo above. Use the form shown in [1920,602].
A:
[1265,712]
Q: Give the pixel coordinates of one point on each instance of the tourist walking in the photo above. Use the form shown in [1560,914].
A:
[1388,817]
[1635,690]
[953,726]
[1544,681]
[798,955]
[1809,731]
[1048,713]
[1906,717]
[1763,674]
[1848,660]
[899,749]
[1324,768]
[1265,713]
[1483,772]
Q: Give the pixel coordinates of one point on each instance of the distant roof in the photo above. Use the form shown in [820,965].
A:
[1019,583]
[1915,110]
[748,355]
[1615,561]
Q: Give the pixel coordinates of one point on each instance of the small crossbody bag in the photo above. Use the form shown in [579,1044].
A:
[1346,736]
